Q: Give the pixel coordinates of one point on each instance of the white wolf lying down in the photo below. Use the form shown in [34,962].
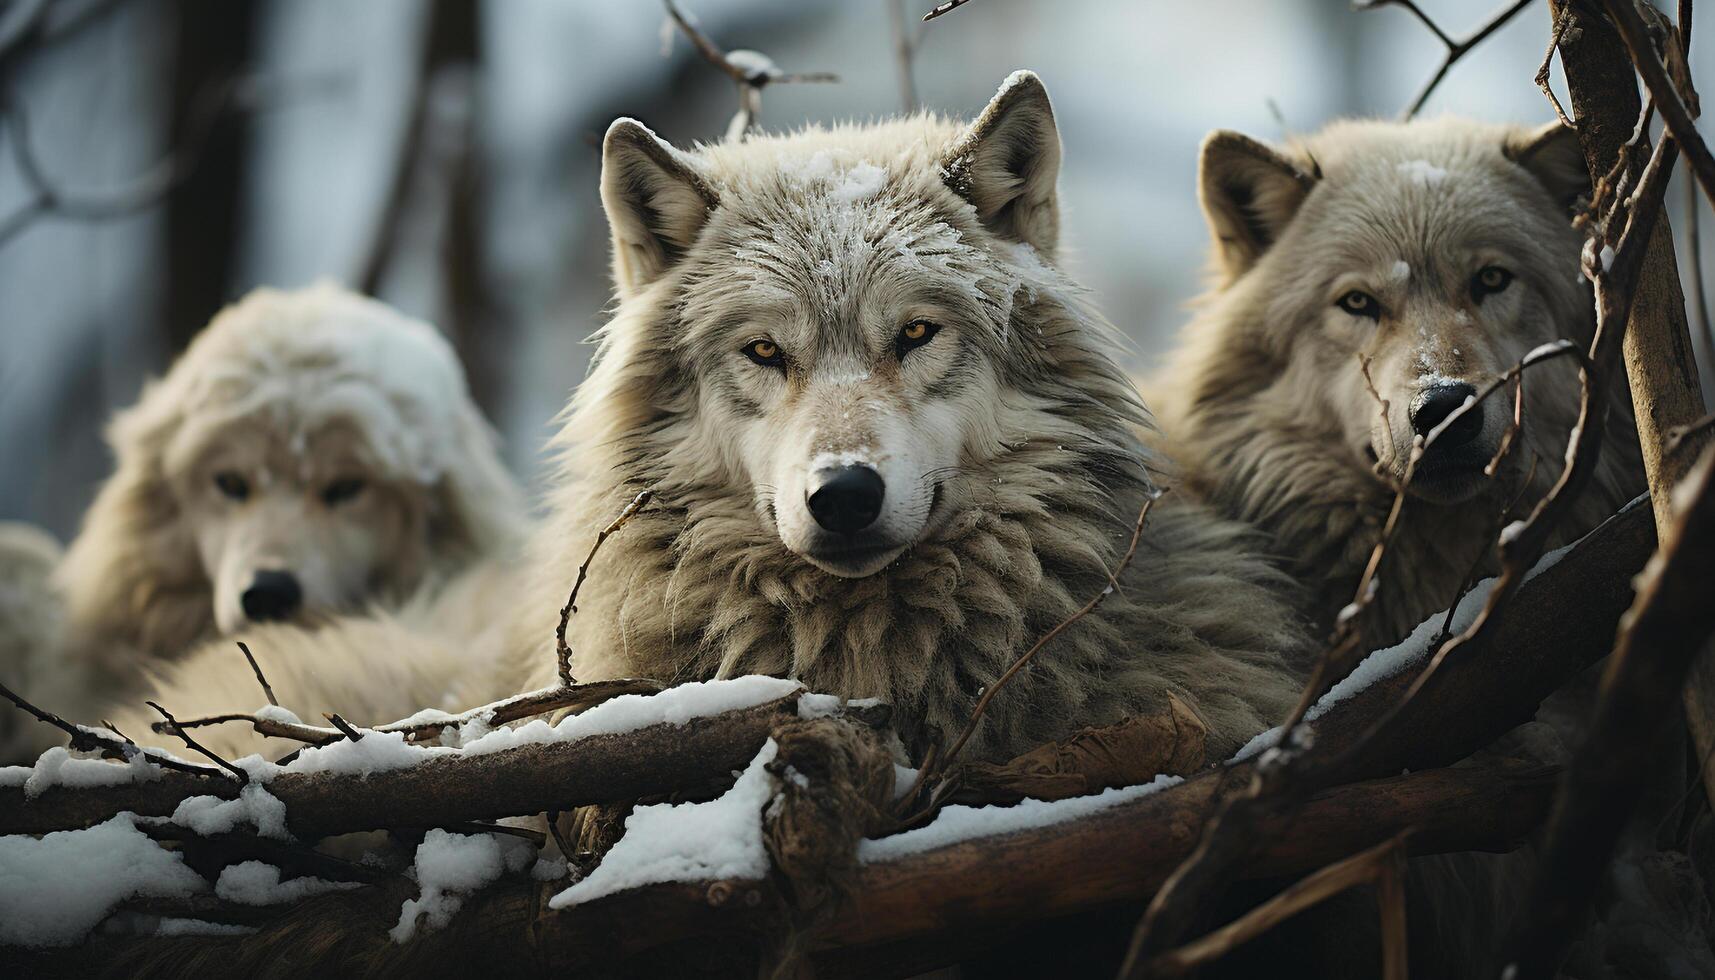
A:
[311,452]
[889,449]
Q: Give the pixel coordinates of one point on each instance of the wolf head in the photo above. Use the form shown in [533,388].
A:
[310,451]
[1431,255]
[839,312]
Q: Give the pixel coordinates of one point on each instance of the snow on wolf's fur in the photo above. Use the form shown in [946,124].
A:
[313,438]
[1439,251]
[881,297]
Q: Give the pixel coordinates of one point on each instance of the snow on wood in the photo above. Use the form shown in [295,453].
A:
[687,841]
[258,883]
[56,888]
[958,824]
[449,867]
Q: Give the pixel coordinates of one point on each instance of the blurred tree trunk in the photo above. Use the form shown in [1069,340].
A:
[214,41]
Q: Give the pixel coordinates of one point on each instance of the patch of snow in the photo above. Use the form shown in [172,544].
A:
[277,715]
[450,866]
[687,841]
[1400,272]
[257,883]
[1410,651]
[904,777]
[549,868]
[54,889]
[374,752]
[961,823]
[630,712]
[199,927]
[862,182]
[1426,174]
[819,705]
[753,63]
[212,815]
[60,766]
[1607,257]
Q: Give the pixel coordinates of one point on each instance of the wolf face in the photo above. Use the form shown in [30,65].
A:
[311,451]
[843,321]
[1434,255]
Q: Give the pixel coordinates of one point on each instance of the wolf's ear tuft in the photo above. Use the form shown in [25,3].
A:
[1553,156]
[656,203]
[1008,162]
[1249,192]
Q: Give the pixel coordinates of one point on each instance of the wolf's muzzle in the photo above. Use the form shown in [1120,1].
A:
[848,499]
[272,595]
[1434,404]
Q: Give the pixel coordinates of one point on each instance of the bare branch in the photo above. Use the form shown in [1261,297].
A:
[945,8]
[1374,865]
[1455,49]
[752,70]
[1679,119]
[344,727]
[237,773]
[85,739]
[1664,631]
[267,691]
[561,650]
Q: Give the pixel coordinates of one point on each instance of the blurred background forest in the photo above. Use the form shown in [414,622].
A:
[444,155]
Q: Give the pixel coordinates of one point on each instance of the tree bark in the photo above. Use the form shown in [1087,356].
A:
[1660,364]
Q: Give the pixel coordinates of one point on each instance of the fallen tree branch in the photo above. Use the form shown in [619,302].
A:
[578,697]
[698,756]
[1663,632]
[1118,854]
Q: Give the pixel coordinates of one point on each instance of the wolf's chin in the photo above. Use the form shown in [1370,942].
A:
[856,562]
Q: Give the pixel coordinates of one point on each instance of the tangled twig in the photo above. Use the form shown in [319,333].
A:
[85,739]
[752,70]
[197,747]
[1455,49]
[267,690]
[562,651]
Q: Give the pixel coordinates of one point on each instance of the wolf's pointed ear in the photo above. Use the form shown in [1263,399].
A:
[1249,192]
[1553,156]
[655,202]
[1007,164]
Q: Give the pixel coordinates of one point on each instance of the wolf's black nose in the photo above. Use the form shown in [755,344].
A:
[848,500]
[272,595]
[1432,406]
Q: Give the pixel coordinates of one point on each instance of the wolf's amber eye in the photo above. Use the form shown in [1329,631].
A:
[232,485]
[764,352]
[342,490]
[1359,303]
[914,335]
[1490,279]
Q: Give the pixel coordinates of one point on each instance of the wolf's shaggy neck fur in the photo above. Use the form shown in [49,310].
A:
[699,586]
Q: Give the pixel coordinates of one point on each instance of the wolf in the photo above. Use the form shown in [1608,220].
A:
[1369,279]
[311,452]
[889,448]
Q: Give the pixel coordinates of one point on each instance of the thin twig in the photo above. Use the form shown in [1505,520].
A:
[195,746]
[1562,21]
[1373,865]
[1455,49]
[576,698]
[266,689]
[344,727]
[945,8]
[1675,113]
[752,70]
[563,652]
[905,43]
[536,837]
[85,739]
